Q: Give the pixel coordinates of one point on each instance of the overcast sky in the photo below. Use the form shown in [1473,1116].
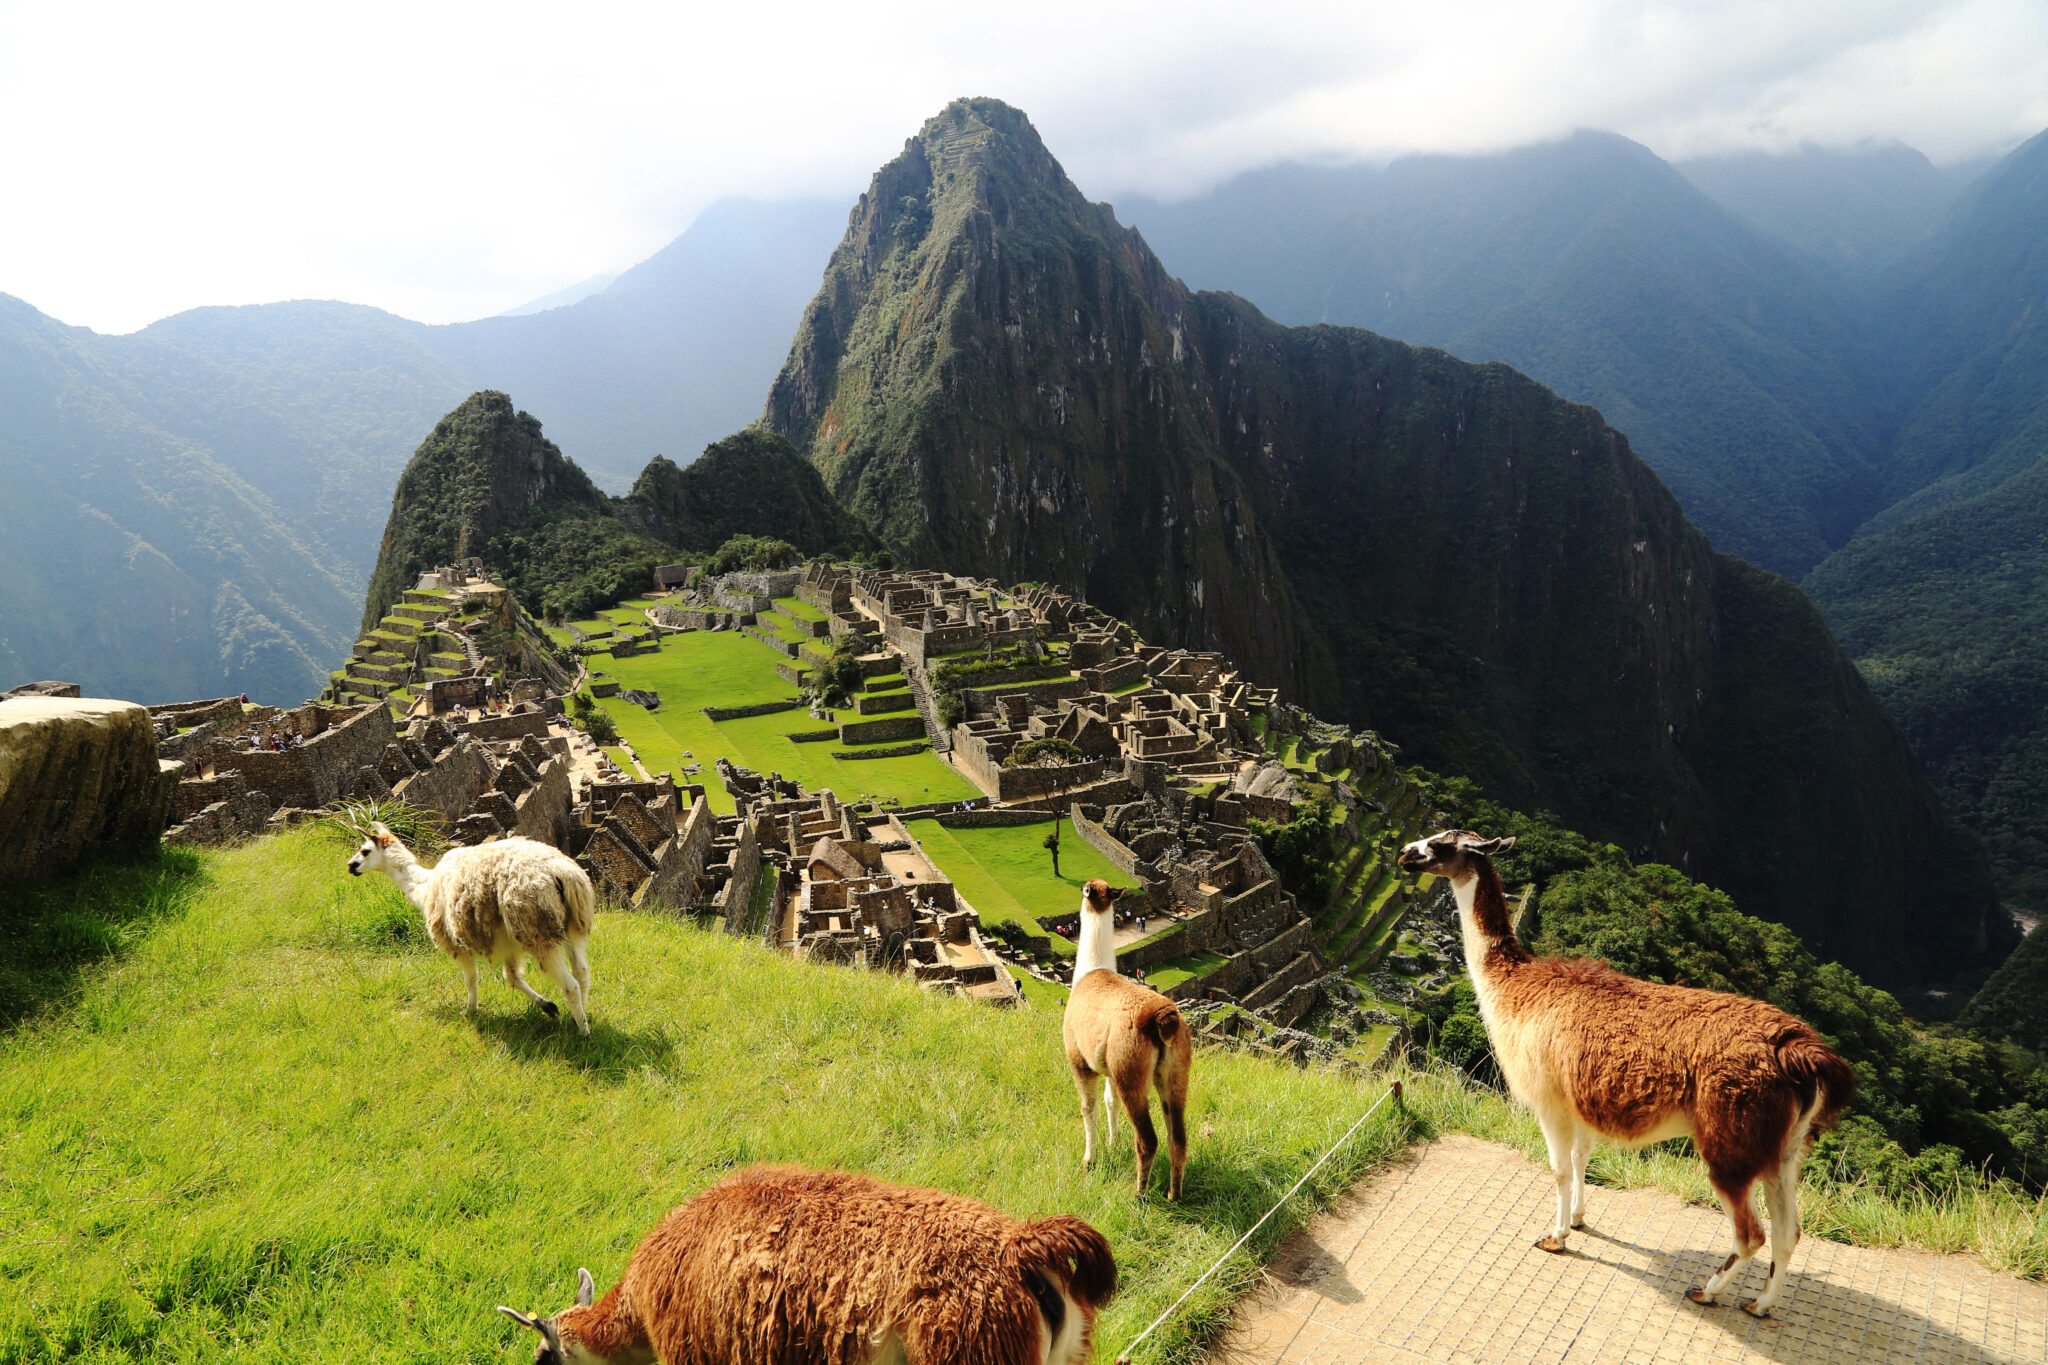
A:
[450,161]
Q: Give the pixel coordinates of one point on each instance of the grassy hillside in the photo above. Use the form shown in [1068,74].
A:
[243,1116]
[264,1129]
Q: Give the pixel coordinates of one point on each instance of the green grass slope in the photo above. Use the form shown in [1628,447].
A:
[724,668]
[256,1124]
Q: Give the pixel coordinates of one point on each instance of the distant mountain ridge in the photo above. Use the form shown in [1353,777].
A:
[995,374]
[1737,368]
[194,508]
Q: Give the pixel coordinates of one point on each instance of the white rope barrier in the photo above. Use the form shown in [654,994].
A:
[1393,1092]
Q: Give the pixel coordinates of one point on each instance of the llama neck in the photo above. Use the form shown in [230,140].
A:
[606,1331]
[404,869]
[1490,942]
[1096,948]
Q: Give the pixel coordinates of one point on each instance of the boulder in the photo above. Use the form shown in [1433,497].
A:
[75,773]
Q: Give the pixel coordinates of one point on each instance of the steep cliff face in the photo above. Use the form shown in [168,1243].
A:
[991,377]
[485,468]
[999,378]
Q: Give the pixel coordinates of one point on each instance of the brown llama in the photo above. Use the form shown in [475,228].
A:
[1130,1036]
[1594,1052]
[778,1265]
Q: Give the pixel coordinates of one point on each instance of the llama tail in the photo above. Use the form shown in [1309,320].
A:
[1823,1078]
[1163,1025]
[1069,1252]
[579,902]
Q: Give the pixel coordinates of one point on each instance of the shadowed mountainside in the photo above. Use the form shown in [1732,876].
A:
[1001,379]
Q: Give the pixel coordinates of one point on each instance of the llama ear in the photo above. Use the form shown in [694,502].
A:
[540,1325]
[586,1288]
[1486,847]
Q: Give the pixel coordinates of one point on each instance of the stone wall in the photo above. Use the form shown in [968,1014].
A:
[738,894]
[983,819]
[1113,676]
[510,725]
[877,731]
[885,751]
[451,785]
[76,773]
[1103,842]
[766,708]
[325,769]
[986,701]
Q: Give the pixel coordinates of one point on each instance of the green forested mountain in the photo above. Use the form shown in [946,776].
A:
[137,555]
[1943,601]
[999,377]
[488,482]
[194,508]
[752,483]
[2014,1002]
[1739,369]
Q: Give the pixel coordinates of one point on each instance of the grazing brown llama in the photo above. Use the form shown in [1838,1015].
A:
[1594,1052]
[1130,1036]
[778,1265]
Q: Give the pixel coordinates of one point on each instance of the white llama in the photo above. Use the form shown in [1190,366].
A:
[499,901]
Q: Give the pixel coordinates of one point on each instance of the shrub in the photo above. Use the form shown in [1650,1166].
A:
[751,554]
[1049,752]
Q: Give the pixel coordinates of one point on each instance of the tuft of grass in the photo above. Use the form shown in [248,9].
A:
[350,822]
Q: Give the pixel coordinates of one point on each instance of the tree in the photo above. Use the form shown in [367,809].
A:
[1052,846]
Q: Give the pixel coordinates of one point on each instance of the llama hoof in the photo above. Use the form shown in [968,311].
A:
[1749,1307]
[1551,1245]
[552,1009]
[1699,1296]
[1578,1223]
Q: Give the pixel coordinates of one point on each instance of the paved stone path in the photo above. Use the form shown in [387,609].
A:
[1433,1262]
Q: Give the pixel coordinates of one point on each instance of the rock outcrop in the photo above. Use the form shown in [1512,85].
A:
[76,773]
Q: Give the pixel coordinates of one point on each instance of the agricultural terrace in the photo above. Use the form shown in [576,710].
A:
[1006,874]
[696,669]
[242,1113]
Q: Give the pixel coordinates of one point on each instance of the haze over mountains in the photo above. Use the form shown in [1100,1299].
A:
[195,507]
[1806,350]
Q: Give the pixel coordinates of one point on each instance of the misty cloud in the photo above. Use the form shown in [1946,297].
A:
[449,162]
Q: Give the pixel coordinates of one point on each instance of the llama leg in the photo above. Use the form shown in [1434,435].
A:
[1558,1138]
[556,965]
[1781,1197]
[468,964]
[1582,1152]
[1749,1235]
[1176,1143]
[1084,1081]
[579,958]
[1138,1104]
[1108,1114]
[517,982]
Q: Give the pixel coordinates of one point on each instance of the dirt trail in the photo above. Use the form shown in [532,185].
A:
[1432,1261]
